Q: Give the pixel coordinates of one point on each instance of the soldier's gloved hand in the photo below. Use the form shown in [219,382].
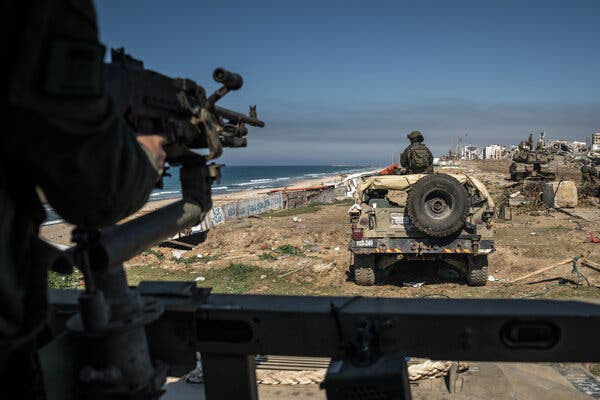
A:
[153,145]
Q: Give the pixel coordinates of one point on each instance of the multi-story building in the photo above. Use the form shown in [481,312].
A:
[492,152]
[471,152]
[596,141]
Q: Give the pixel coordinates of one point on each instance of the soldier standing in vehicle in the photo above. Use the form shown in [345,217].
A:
[416,158]
[541,144]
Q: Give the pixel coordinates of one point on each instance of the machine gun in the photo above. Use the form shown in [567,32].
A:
[178,108]
[108,330]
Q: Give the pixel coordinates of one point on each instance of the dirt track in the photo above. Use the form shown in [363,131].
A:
[262,253]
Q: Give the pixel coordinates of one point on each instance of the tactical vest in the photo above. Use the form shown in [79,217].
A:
[418,157]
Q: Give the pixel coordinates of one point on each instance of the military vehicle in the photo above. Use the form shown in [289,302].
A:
[532,163]
[594,157]
[421,217]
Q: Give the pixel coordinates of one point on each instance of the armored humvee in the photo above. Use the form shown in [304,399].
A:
[433,217]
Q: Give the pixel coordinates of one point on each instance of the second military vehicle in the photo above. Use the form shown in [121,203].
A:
[532,162]
[435,217]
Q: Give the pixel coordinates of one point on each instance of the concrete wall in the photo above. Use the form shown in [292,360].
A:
[260,204]
[240,209]
[305,197]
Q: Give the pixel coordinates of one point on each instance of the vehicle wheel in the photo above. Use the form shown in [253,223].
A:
[438,205]
[363,269]
[364,276]
[477,270]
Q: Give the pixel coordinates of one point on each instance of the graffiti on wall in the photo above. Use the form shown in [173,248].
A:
[243,208]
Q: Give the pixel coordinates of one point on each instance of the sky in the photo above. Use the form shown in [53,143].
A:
[344,82]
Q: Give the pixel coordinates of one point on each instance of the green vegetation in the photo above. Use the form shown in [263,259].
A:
[59,281]
[238,278]
[288,249]
[267,256]
[193,259]
[311,208]
[346,202]
[234,279]
[160,256]
[595,369]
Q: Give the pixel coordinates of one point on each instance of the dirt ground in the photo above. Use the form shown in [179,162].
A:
[304,251]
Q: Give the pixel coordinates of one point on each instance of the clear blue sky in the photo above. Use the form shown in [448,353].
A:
[345,81]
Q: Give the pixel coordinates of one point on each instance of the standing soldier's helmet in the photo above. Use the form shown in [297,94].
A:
[415,136]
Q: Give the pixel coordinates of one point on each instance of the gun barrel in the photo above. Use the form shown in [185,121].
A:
[236,117]
[230,80]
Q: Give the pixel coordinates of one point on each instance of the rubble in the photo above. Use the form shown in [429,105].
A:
[515,201]
[322,267]
[177,253]
[413,284]
[562,194]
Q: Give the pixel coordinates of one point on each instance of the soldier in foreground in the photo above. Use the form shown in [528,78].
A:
[69,143]
[416,158]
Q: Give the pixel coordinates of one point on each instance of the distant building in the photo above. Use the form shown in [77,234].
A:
[596,141]
[471,152]
[492,152]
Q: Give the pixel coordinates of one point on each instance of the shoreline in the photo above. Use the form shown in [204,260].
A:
[60,232]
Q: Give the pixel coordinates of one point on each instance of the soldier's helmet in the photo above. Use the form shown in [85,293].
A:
[415,136]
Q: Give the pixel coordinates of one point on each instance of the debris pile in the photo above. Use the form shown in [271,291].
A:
[561,194]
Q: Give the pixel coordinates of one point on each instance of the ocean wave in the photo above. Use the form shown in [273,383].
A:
[262,180]
[220,187]
[53,222]
[164,193]
[245,184]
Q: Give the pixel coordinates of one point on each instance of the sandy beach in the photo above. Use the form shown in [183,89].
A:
[61,232]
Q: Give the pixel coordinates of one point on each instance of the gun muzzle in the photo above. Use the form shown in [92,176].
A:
[230,80]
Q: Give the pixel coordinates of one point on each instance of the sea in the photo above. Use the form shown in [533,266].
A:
[239,178]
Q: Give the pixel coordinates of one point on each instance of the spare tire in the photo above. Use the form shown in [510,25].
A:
[438,205]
